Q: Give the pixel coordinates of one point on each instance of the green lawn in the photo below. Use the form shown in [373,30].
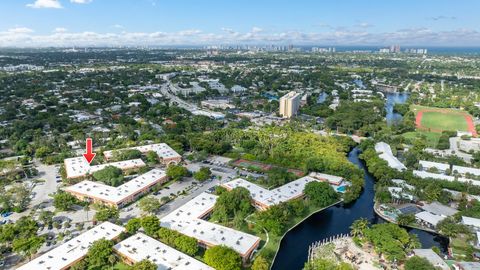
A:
[460,247]
[444,121]
[121,266]
[431,137]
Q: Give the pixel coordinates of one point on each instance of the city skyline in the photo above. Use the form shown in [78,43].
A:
[65,23]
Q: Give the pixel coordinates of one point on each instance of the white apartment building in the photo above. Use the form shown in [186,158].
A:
[289,104]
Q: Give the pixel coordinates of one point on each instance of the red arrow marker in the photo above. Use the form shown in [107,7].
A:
[89,156]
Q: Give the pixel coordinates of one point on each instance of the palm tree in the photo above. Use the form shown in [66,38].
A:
[413,242]
[358,227]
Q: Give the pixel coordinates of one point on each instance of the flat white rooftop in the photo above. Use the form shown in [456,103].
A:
[469,221]
[79,167]
[67,254]
[429,217]
[283,193]
[187,220]
[140,246]
[385,153]
[465,170]
[118,194]
[425,175]
[163,151]
[439,209]
[430,164]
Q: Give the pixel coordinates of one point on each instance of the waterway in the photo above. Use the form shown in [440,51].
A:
[392,99]
[335,220]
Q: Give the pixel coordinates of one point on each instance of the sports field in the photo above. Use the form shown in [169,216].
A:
[438,119]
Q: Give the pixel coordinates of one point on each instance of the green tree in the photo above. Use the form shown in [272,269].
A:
[149,204]
[406,219]
[321,194]
[151,225]
[186,244]
[27,246]
[144,265]
[418,263]
[260,263]
[358,227]
[391,240]
[109,175]
[105,213]
[203,174]
[432,192]
[64,201]
[98,255]
[223,258]
[133,225]
[236,202]
[176,172]
[152,157]
[46,217]
[120,155]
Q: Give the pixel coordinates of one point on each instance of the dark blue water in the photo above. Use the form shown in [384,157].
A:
[392,99]
[359,83]
[293,251]
[322,97]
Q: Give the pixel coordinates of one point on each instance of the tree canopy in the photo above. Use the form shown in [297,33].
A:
[98,255]
[145,265]
[321,194]
[236,202]
[64,201]
[176,172]
[109,175]
[203,174]
[223,258]
[418,263]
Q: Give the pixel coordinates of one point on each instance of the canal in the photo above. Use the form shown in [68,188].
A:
[335,220]
[392,99]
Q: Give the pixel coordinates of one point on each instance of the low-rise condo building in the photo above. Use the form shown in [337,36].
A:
[188,220]
[66,255]
[142,247]
[117,196]
[78,167]
[165,153]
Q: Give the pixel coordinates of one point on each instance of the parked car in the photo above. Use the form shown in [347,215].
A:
[6,214]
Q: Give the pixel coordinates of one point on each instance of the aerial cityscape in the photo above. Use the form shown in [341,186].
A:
[239,135]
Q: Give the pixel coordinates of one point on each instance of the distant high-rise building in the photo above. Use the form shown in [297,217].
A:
[289,104]
[395,48]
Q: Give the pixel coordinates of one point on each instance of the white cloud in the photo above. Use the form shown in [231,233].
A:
[118,26]
[364,25]
[45,4]
[22,36]
[442,17]
[60,30]
[189,32]
[257,29]
[81,1]
[20,30]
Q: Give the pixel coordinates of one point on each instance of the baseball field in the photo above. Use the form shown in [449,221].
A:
[439,119]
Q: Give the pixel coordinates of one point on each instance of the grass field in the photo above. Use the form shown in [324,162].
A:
[431,137]
[439,119]
[443,121]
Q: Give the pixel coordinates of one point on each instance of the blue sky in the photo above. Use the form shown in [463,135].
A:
[202,22]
